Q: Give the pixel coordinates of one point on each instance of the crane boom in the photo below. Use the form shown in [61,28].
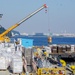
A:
[20,22]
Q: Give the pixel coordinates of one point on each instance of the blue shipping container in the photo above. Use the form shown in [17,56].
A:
[27,42]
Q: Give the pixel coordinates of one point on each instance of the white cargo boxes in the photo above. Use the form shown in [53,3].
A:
[19,53]
[10,57]
[16,65]
[3,63]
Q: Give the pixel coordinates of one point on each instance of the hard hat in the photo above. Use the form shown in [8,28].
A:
[38,49]
[63,62]
[46,54]
[72,67]
[36,53]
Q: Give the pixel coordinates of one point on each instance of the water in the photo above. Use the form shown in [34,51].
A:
[63,40]
[42,40]
[37,40]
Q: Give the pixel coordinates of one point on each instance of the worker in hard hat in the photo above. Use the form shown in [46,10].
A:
[46,54]
[45,61]
[35,59]
[39,60]
[73,68]
[63,62]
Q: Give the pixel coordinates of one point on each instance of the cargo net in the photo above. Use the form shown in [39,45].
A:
[52,71]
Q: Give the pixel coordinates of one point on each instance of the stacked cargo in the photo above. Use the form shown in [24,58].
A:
[54,49]
[60,49]
[68,48]
[8,58]
[72,48]
[3,63]
[12,58]
[16,64]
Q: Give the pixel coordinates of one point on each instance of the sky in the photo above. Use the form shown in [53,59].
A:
[59,18]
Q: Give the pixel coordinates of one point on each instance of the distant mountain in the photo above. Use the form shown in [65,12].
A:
[2,29]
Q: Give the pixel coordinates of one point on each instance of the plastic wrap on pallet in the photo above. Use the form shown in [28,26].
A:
[13,50]
[3,49]
[3,63]
[12,58]
[7,54]
[8,57]
[1,45]
[16,65]
[19,53]
[8,50]
[16,58]
[0,52]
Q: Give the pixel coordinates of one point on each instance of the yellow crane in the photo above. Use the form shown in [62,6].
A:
[7,39]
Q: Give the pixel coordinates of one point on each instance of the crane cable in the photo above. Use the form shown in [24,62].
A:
[48,19]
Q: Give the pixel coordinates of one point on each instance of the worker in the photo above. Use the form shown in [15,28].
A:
[60,72]
[36,61]
[59,64]
[52,72]
[25,65]
[73,68]
[40,61]
[52,60]
[45,62]
[17,46]
[63,62]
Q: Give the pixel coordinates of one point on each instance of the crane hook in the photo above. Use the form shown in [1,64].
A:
[45,10]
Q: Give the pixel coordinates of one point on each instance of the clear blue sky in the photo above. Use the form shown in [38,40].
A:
[60,15]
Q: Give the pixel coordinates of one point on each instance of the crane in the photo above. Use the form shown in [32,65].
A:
[3,35]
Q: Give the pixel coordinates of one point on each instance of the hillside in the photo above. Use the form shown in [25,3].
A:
[2,29]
